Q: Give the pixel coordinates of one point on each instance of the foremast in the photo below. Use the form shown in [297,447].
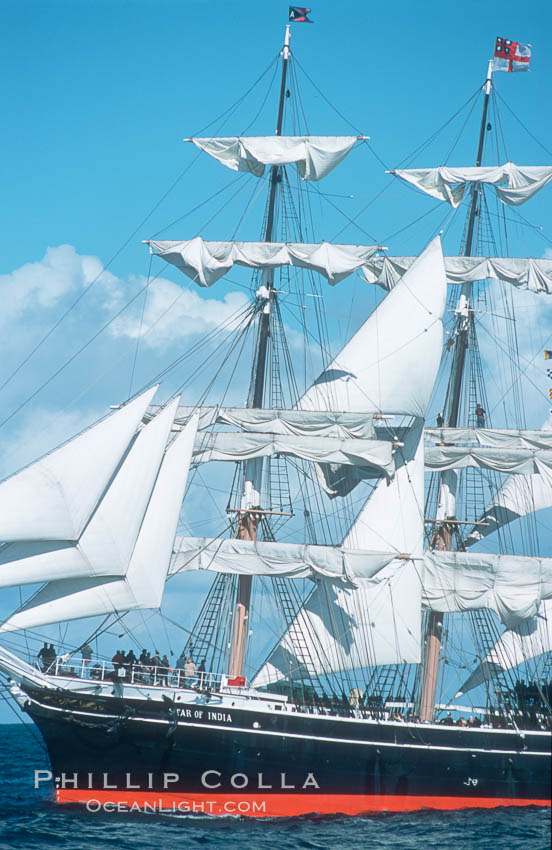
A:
[250,513]
[443,535]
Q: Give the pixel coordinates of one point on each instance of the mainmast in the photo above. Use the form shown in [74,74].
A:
[447,488]
[248,518]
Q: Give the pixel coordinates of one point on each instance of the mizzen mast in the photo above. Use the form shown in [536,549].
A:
[248,517]
[447,489]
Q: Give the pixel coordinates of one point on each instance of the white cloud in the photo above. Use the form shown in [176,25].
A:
[42,284]
[173,312]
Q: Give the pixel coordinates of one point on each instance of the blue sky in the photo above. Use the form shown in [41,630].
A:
[98,96]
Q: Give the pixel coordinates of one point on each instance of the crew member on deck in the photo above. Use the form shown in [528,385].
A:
[189,671]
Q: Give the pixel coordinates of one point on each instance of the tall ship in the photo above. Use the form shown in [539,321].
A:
[375,627]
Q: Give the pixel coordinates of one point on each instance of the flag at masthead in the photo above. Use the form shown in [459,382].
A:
[511,55]
[299,15]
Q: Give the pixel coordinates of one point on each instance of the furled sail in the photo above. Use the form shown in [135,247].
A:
[292,560]
[315,156]
[144,580]
[299,423]
[511,585]
[523,272]
[519,495]
[391,363]
[53,498]
[207,262]
[515,646]
[519,460]
[106,544]
[507,438]
[449,184]
[374,455]
[379,621]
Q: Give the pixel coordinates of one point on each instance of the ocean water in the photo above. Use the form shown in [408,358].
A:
[30,821]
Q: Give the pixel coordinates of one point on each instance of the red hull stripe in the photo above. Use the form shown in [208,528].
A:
[274,805]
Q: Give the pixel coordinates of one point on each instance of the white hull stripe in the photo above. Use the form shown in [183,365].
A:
[298,735]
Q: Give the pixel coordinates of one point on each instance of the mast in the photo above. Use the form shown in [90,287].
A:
[443,536]
[248,519]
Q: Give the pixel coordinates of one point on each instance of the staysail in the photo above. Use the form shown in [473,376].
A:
[519,495]
[370,372]
[106,544]
[515,646]
[379,620]
[53,498]
[144,579]
[351,627]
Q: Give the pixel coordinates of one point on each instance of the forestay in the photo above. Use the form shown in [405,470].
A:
[523,272]
[449,184]
[315,156]
[207,262]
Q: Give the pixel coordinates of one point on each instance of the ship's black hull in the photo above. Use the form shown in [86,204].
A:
[222,759]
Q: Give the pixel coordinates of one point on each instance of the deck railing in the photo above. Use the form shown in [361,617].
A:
[140,674]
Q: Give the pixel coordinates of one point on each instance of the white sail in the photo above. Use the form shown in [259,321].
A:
[352,629]
[391,363]
[207,262]
[515,646]
[507,438]
[377,622]
[292,560]
[300,423]
[519,495]
[107,542]
[519,460]
[393,516]
[315,156]
[511,585]
[449,184]
[374,455]
[53,498]
[144,580]
[523,272]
